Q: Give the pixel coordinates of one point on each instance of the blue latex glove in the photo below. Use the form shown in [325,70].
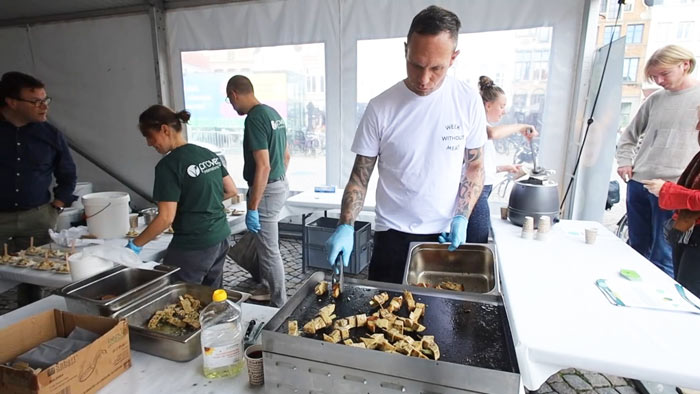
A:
[252,221]
[132,246]
[457,234]
[341,241]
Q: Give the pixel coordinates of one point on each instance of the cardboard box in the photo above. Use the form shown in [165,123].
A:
[85,371]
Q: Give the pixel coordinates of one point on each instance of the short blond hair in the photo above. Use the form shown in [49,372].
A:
[669,56]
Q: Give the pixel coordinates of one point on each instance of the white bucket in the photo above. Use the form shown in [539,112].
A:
[84,266]
[81,189]
[107,214]
[68,216]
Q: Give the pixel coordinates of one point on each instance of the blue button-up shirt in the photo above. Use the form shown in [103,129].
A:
[29,156]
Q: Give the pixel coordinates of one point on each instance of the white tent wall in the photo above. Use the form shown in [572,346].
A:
[340,23]
[369,19]
[264,23]
[100,73]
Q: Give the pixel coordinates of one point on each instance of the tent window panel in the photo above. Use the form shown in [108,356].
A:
[517,60]
[289,78]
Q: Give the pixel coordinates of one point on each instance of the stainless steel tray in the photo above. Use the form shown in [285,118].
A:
[172,347]
[472,330]
[125,284]
[475,266]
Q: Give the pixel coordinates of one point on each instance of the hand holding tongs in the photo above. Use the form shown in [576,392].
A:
[337,276]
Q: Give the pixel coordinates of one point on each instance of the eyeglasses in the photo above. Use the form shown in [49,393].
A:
[38,102]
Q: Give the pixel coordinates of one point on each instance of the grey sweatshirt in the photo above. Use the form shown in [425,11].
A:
[666,121]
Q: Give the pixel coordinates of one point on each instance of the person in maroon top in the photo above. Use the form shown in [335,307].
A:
[683,230]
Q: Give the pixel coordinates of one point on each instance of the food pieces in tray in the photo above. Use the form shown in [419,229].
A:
[8,258]
[447,285]
[24,262]
[34,250]
[388,331]
[410,302]
[132,233]
[444,285]
[379,299]
[177,319]
[321,288]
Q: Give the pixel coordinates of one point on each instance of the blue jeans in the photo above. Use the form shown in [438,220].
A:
[646,226]
[480,219]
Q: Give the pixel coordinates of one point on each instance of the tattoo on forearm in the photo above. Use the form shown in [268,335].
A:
[472,182]
[356,189]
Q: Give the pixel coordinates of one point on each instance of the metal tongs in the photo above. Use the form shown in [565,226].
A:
[337,276]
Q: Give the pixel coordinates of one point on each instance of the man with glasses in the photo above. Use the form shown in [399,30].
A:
[32,153]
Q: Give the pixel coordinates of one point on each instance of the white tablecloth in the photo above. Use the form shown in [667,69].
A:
[152,251]
[560,319]
[149,374]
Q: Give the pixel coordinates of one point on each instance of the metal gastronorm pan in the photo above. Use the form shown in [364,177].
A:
[125,284]
[473,265]
[176,348]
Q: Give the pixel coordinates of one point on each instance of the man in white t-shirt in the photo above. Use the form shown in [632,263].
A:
[420,131]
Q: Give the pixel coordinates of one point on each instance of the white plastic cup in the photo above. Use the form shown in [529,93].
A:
[544,224]
[591,234]
[529,224]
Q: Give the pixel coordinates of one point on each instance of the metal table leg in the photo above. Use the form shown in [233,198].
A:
[304,216]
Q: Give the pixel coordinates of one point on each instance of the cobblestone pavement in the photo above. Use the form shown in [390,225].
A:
[569,381]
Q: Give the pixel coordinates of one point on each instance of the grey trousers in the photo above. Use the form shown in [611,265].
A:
[202,266]
[267,241]
[16,228]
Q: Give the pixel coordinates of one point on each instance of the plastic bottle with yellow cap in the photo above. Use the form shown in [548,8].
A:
[222,337]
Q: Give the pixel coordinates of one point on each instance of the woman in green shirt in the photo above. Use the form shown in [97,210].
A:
[190,185]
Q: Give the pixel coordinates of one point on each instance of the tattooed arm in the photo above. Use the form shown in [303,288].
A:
[472,181]
[356,189]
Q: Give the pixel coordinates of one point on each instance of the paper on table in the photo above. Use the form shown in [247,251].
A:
[640,294]
[72,236]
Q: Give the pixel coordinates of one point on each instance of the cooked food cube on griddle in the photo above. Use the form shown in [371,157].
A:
[360,345]
[333,338]
[361,320]
[293,328]
[410,302]
[321,288]
[372,323]
[348,342]
[328,309]
[335,292]
[428,342]
[341,323]
[398,325]
[395,304]
[418,312]
[379,299]
[344,332]
[418,353]
[352,321]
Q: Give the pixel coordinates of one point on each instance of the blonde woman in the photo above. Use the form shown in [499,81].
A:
[666,122]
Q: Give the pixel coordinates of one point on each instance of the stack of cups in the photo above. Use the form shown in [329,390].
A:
[543,227]
[528,227]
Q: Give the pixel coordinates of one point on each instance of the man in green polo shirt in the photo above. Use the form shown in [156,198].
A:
[266,158]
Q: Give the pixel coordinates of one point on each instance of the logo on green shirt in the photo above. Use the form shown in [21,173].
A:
[194,170]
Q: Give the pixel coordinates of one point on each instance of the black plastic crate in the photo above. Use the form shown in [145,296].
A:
[317,233]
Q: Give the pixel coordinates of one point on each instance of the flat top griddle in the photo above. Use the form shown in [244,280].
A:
[467,332]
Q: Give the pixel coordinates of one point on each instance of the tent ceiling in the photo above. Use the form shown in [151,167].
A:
[28,12]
